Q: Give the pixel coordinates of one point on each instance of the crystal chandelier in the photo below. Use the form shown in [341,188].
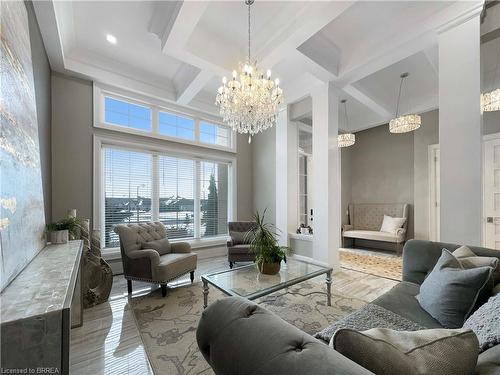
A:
[346,139]
[405,123]
[250,101]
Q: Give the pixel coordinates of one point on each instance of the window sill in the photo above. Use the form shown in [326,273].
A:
[301,237]
[112,253]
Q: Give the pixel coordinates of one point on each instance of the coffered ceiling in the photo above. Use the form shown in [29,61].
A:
[179,51]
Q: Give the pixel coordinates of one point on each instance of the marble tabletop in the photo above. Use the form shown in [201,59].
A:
[44,285]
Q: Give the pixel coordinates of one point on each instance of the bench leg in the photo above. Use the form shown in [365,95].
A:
[163,290]
[230,264]
[129,286]
[191,276]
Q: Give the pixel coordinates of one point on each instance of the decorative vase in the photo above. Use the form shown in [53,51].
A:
[59,236]
[269,268]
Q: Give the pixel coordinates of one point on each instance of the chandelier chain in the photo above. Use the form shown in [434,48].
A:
[399,95]
[346,118]
[249,4]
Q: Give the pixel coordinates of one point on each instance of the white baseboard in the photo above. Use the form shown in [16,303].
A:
[115,261]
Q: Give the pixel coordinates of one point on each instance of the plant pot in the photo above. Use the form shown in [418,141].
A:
[59,236]
[269,268]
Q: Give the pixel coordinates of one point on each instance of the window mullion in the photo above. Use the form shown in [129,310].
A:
[155,189]
[197,200]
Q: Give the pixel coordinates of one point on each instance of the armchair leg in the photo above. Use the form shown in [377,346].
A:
[230,264]
[191,276]
[163,290]
[129,286]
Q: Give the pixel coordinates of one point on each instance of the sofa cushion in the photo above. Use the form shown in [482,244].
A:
[488,362]
[389,352]
[485,322]
[401,300]
[173,265]
[373,235]
[392,224]
[161,246]
[449,292]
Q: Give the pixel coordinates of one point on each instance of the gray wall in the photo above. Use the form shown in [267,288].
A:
[382,168]
[72,150]
[264,173]
[428,134]
[491,122]
[41,76]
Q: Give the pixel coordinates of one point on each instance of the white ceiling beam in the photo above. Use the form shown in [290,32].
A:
[432,56]
[194,87]
[301,109]
[367,101]
[164,15]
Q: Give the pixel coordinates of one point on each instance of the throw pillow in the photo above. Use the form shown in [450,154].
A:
[162,246]
[485,322]
[468,259]
[430,351]
[392,224]
[449,292]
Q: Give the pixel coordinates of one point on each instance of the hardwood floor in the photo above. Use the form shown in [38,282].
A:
[109,341]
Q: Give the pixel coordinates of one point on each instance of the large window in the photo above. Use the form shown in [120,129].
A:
[130,113]
[305,177]
[190,196]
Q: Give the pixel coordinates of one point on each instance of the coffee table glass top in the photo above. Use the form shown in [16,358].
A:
[248,282]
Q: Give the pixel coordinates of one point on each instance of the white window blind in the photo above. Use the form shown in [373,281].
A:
[189,196]
[176,195]
[213,198]
[127,190]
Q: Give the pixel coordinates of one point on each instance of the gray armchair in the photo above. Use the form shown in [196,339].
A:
[238,247]
[147,255]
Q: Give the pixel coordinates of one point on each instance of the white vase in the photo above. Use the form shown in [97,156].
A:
[59,236]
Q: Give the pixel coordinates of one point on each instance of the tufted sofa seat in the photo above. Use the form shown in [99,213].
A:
[366,219]
[147,264]
[263,343]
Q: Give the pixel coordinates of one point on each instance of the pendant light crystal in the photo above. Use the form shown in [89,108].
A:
[346,139]
[250,101]
[404,123]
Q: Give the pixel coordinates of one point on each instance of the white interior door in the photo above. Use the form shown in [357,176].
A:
[434,193]
[491,197]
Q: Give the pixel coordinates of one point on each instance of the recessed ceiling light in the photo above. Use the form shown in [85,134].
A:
[111,38]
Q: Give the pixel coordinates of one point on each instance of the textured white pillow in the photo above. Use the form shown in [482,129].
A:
[392,224]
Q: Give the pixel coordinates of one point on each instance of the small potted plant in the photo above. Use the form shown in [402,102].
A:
[264,244]
[60,231]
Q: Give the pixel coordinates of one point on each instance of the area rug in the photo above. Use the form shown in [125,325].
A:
[390,267]
[168,325]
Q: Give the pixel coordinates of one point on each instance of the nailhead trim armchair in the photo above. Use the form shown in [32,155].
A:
[150,265]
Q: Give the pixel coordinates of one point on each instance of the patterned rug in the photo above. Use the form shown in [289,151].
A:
[168,325]
[388,266]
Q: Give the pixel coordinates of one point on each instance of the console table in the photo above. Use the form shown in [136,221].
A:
[39,307]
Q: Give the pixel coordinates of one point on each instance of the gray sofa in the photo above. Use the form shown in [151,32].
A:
[237,336]
[366,219]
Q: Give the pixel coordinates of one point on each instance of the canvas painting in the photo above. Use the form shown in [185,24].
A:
[22,219]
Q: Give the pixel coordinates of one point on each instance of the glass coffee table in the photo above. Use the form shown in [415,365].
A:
[249,283]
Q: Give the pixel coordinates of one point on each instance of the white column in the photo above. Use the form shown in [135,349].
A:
[460,133]
[326,175]
[282,176]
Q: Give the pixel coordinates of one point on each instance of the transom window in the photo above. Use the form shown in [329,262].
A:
[130,113]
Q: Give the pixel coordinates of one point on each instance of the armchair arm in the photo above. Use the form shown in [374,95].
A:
[401,233]
[346,227]
[153,255]
[181,247]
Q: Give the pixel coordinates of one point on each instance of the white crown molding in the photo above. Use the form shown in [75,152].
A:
[474,11]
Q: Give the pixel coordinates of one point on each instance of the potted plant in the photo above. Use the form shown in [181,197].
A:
[264,244]
[60,231]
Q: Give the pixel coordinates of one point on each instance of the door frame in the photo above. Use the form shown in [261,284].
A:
[487,137]
[433,232]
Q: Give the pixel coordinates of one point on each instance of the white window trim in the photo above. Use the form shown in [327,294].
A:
[307,129]
[100,141]
[100,91]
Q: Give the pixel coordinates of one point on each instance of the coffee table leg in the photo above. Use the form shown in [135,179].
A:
[205,294]
[329,288]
